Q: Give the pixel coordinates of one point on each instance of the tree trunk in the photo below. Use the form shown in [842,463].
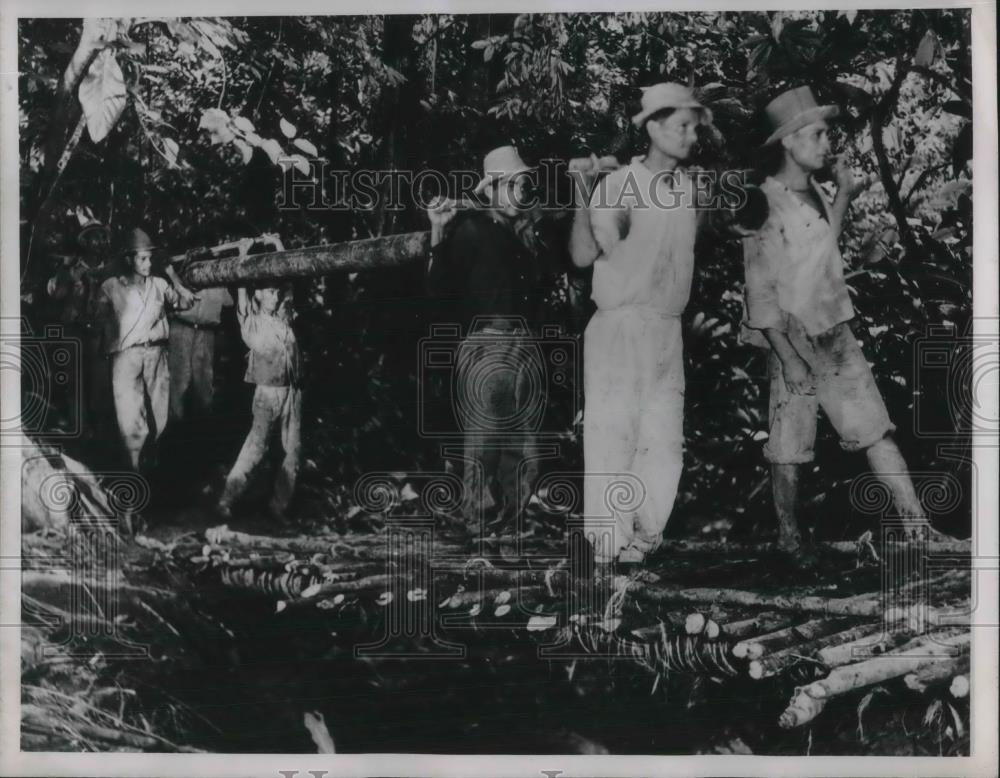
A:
[368,254]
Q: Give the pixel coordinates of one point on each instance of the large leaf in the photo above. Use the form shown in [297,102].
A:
[102,95]
[927,51]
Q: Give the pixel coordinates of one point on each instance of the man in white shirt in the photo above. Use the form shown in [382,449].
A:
[644,223]
[798,307]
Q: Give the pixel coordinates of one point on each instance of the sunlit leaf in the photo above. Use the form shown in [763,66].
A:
[306,146]
[102,95]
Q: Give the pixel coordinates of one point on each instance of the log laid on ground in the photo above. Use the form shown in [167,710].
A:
[777,662]
[375,545]
[351,256]
[801,710]
[756,647]
[959,686]
[874,644]
[498,596]
[869,605]
[893,664]
[937,672]
[760,624]
[953,547]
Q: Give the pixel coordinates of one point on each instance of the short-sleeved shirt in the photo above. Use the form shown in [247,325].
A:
[138,311]
[207,311]
[645,225]
[793,267]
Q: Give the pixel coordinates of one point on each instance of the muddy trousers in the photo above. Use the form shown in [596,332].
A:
[633,427]
[140,381]
[277,410]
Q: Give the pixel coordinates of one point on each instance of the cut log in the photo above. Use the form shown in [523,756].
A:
[760,624]
[348,257]
[756,647]
[959,687]
[498,596]
[869,605]
[777,662]
[950,547]
[363,546]
[801,710]
[695,623]
[915,655]
[875,643]
[936,673]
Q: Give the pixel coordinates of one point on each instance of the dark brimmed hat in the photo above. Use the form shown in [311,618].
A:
[793,110]
[136,240]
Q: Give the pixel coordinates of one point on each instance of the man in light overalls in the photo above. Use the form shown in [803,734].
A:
[643,223]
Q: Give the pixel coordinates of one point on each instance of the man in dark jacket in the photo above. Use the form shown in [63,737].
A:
[493,264]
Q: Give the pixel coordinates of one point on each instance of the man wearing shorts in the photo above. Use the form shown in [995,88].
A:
[798,306]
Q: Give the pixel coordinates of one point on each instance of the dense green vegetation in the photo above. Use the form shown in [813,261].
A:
[185,126]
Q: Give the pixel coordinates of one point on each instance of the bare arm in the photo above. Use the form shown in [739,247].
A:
[796,372]
[187,298]
[848,187]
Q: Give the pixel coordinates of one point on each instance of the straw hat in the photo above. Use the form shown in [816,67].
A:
[793,110]
[503,162]
[668,95]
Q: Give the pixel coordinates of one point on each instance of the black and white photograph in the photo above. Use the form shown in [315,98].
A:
[471,390]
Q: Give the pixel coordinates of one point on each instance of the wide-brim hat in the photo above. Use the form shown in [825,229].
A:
[668,95]
[501,163]
[136,240]
[793,110]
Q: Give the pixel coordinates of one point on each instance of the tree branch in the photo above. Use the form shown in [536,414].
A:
[880,119]
[922,179]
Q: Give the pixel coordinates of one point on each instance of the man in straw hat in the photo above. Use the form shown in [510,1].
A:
[797,305]
[643,225]
[133,306]
[491,263]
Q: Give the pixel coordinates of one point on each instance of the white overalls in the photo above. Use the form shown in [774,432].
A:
[645,226]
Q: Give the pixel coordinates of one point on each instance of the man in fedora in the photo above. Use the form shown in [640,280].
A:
[490,261]
[798,307]
[642,228]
